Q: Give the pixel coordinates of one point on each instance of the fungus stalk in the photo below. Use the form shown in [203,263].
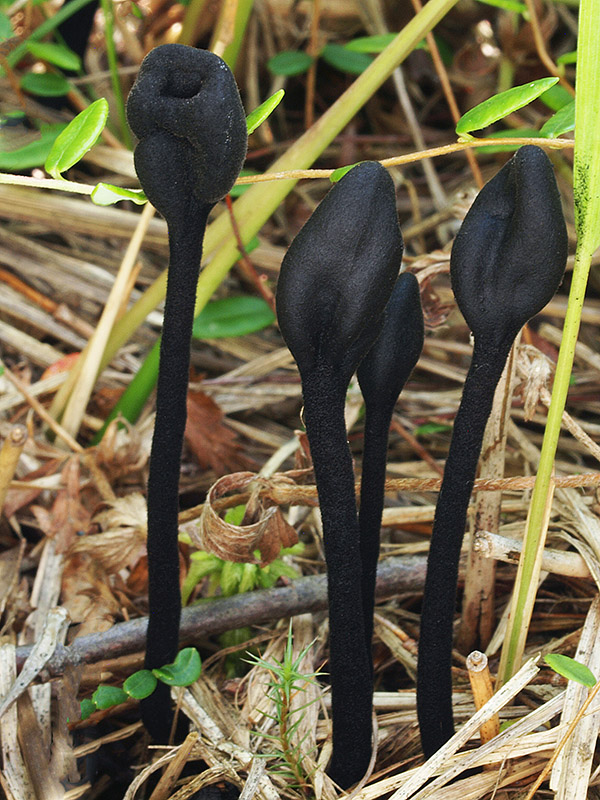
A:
[507,262]
[186,111]
[335,281]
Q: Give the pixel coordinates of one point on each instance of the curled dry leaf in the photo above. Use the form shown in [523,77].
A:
[124,448]
[269,533]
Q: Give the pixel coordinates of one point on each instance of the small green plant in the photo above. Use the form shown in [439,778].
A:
[141,684]
[571,669]
[287,682]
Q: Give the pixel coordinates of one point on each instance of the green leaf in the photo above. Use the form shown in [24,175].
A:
[249,578]
[571,669]
[431,427]
[508,5]
[140,685]
[183,671]
[510,133]
[232,316]
[561,122]
[105,194]
[568,58]
[501,105]
[586,161]
[80,135]
[6,30]
[57,54]
[339,173]
[46,84]
[236,191]
[371,44]
[289,63]
[263,111]
[556,97]
[340,57]
[235,515]
[87,708]
[33,154]
[231,575]
[108,696]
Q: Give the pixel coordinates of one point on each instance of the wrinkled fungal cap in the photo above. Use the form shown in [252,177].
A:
[339,271]
[186,111]
[385,369]
[509,256]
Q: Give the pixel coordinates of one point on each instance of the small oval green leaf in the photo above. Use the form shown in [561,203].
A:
[47,84]
[501,105]
[58,54]
[339,173]
[140,685]
[263,111]
[236,191]
[183,671]
[556,97]
[105,194]
[80,135]
[232,316]
[511,133]
[561,122]
[508,5]
[371,44]
[108,696]
[289,63]
[339,57]
[30,155]
[87,707]
[6,29]
[571,669]
[568,58]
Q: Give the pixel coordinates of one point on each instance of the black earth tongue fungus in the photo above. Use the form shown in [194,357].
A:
[186,111]
[335,280]
[382,375]
[507,262]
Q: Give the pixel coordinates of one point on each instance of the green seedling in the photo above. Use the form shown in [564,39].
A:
[184,671]
[287,683]
[571,669]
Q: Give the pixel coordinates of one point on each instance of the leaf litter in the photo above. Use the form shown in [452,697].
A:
[73,533]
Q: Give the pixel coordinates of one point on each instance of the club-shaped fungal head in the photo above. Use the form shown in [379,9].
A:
[509,256]
[385,369]
[338,273]
[186,111]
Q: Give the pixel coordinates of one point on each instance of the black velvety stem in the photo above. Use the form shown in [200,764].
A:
[434,680]
[164,596]
[372,494]
[350,668]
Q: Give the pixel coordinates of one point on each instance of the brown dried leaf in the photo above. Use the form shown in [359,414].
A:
[238,542]
[123,540]
[214,444]
[68,517]
[87,596]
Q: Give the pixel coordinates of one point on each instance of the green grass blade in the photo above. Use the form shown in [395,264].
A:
[586,190]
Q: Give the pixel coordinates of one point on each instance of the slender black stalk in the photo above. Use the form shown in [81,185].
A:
[335,281]
[164,596]
[434,682]
[186,111]
[382,375]
[350,669]
[507,261]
